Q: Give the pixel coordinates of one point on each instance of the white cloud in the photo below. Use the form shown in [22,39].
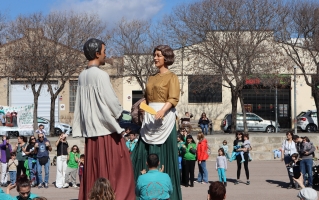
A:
[111,11]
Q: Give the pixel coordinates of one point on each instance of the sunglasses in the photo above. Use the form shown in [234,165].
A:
[41,137]
[32,138]
[75,148]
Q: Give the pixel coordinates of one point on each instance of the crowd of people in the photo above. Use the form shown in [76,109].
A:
[190,152]
[298,155]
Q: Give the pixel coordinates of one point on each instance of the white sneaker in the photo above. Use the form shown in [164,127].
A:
[74,185]
[66,185]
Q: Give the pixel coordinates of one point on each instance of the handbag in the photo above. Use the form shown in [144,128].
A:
[137,115]
[43,160]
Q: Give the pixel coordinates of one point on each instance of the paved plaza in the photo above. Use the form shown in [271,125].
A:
[267,181]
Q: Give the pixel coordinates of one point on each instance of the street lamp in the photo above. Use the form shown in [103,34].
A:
[295,101]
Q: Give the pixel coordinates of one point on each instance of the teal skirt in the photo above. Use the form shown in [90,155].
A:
[168,156]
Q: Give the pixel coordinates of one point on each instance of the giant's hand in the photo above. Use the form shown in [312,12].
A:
[160,114]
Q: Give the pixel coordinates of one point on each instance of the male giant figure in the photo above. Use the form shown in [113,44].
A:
[95,117]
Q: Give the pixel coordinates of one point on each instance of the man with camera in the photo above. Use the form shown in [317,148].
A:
[61,163]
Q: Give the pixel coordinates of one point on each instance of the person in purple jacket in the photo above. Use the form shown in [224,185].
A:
[5,149]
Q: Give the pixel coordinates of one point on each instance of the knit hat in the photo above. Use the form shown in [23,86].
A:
[308,194]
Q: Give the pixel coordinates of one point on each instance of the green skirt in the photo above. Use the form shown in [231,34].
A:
[168,156]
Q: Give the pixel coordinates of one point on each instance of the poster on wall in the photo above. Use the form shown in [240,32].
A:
[24,115]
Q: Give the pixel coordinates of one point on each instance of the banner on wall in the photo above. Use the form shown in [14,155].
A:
[24,115]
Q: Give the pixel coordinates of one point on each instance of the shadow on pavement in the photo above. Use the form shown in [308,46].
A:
[279,183]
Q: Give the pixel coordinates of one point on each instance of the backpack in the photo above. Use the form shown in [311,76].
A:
[137,116]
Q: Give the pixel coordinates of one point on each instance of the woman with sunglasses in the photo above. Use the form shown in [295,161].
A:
[31,152]
[239,141]
[72,169]
[203,123]
[23,188]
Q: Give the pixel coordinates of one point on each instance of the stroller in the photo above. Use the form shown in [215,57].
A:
[315,175]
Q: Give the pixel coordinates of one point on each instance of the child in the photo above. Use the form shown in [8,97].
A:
[81,166]
[12,166]
[246,147]
[180,143]
[295,162]
[102,190]
[235,153]
[180,166]
[221,166]
[225,147]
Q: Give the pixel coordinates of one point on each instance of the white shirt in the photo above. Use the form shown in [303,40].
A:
[97,106]
[289,147]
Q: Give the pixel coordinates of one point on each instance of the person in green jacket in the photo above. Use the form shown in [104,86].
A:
[189,157]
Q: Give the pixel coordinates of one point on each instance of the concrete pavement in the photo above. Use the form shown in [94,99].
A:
[268,181]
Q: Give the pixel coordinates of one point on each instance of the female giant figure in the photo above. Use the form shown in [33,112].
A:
[158,133]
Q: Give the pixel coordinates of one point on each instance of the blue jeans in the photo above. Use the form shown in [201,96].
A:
[13,177]
[202,172]
[221,175]
[204,128]
[46,170]
[306,167]
[32,169]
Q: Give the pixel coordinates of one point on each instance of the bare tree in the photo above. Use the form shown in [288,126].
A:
[3,26]
[29,55]
[230,38]
[68,32]
[135,40]
[299,35]
[46,49]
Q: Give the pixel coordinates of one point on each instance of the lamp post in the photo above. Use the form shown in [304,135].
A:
[295,101]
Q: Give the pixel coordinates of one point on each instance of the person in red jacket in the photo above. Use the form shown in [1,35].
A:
[202,156]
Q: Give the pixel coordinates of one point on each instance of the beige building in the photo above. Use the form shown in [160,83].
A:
[216,102]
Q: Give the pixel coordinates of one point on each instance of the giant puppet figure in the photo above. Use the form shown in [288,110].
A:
[158,133]
[95,117]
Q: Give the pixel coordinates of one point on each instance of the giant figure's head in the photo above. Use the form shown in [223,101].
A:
[92,47]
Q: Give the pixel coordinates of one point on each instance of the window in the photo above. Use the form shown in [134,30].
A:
[204,88]
[72,96]
[240,117]
[313,114]
[136,95]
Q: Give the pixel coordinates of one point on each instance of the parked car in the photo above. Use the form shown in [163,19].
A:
[58,126]
[254,123]
[307,121]
[126,121]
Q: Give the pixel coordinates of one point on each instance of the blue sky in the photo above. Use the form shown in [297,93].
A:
[109,11]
